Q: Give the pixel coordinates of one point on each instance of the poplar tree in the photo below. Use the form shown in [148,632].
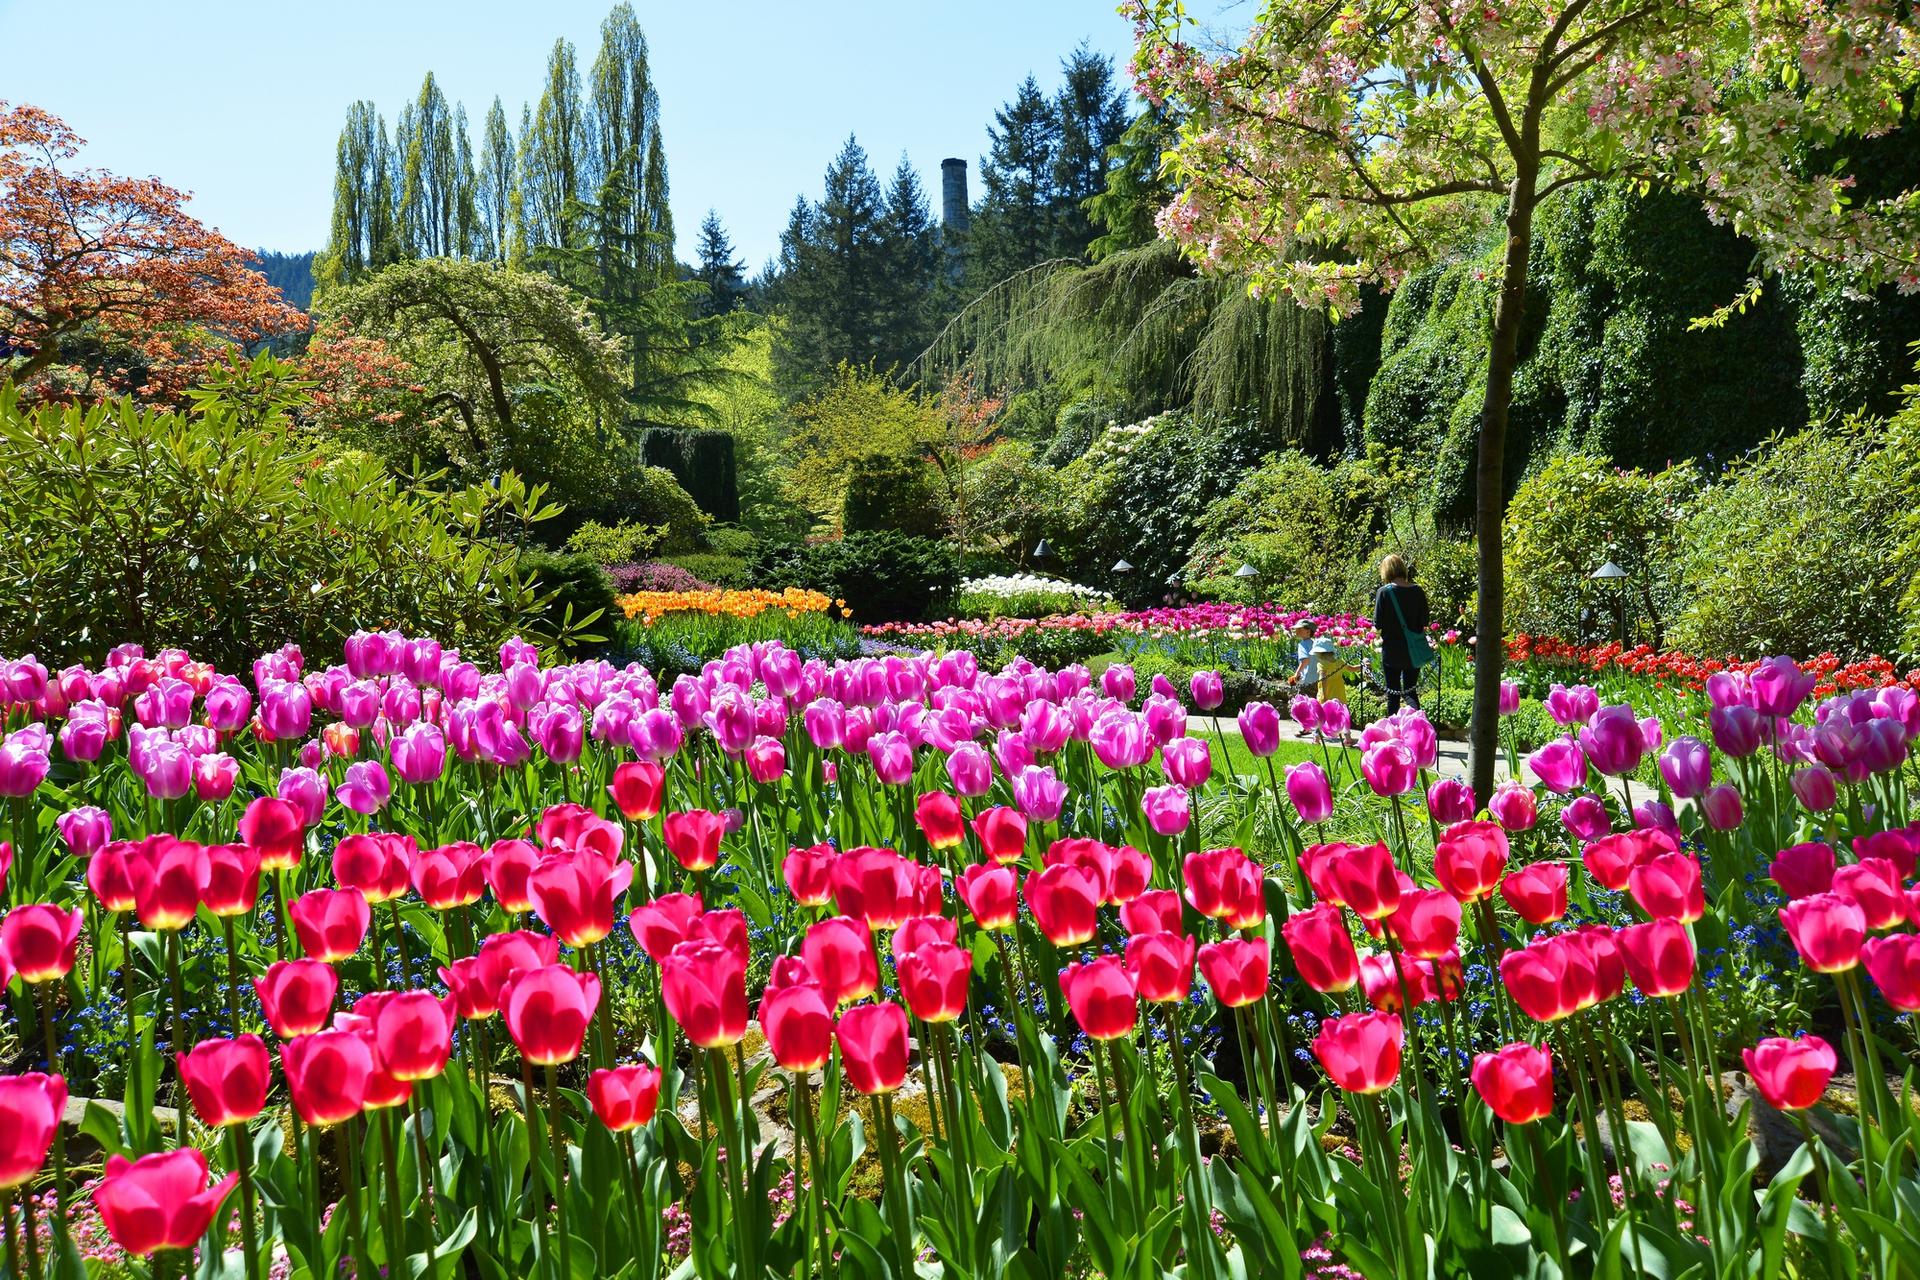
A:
[429,175]
[494,188]
[553,153]
[362,235]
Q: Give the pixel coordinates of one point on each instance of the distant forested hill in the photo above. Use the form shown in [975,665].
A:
[290,273]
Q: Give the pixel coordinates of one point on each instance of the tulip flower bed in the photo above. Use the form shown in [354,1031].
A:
[895,967]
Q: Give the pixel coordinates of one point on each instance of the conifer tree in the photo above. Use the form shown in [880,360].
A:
[908,267]
[831,264]
[718,270]
[1014,225]
[1092,117]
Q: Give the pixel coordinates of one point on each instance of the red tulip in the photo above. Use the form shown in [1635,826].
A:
[273,826]
[505,956]
[1470,859]
[1516,1082]
[297,996]
[933,980]
[31,1107]
[574,893]
[574,828]
[839,955]
[1381,980]
[453,875]
[873,1047]
[413,1033]
[879,888]
[1609,967]
[1668,887]
[1153,911]
[1316,864]
[798,1024]
[375,864]
[233,879]
[1659,956]
[118,875]
[1874,886]
[172,895]
[637,788]
[1161,966]
[1426,923]
[624,1097]
[39,940]
[509,864]
[327,1074]
[1322,948]
[1894,963]
[991,894]
[1225,884]
[1236,970]
[1002,832]
[809,874]
[227,1079]
[693,838]
[547,1011]
[1101,995]
[1803,870]
[1551,979]
[1900,846]
[160,1201]
[789,971]
[1360,1052]
[1610,858]
[1827,930]
[1791,1075]
[330,923]
[663,924]
[471,999]
[705,986]
[1537,894]
[940,819]
[727,927]
[384,1088]
[1368,882]
[1064,901]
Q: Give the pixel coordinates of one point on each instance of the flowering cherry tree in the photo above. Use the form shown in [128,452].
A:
[1346,144]
[85,252]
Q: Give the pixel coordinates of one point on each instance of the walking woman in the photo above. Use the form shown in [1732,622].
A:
[1400,616]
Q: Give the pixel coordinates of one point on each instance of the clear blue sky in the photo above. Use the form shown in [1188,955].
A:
[240,104]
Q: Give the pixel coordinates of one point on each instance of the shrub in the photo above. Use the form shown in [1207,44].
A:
[1794,550]
[1288,520]
[1573,514]
[581,591]
[715,567]
[883,576]
[654,575]
[890,492]
[615,544]
[223,533]
[643,495]
[731,540]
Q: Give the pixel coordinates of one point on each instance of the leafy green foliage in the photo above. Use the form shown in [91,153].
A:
[637,495]
[885,492]
[1291,520]
[581,593]
[1795,550]
[1578,511]
[615,544]
[230,536]
[883,576]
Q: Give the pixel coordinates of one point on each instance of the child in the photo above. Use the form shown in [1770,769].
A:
[1333,670]
[1306,669]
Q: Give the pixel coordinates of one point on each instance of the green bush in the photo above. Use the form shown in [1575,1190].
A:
[681,643]
[1289,520]
[580,590]
[224,533]
[1573,514]
[643,495]
[883,576]
[885,491]
[717,567]
[615,544]
[731,540]
[1797,550]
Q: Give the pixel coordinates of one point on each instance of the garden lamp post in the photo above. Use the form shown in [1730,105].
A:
[1121,566]
[1614,578]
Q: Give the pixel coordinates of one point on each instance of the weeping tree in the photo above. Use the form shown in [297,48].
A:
[1342,146]
[1142,328]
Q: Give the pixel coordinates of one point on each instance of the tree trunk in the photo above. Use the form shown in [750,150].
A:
[1490,500]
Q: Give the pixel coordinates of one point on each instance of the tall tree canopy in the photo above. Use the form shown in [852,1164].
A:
[717,269]
[1342,146]
[106,278]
